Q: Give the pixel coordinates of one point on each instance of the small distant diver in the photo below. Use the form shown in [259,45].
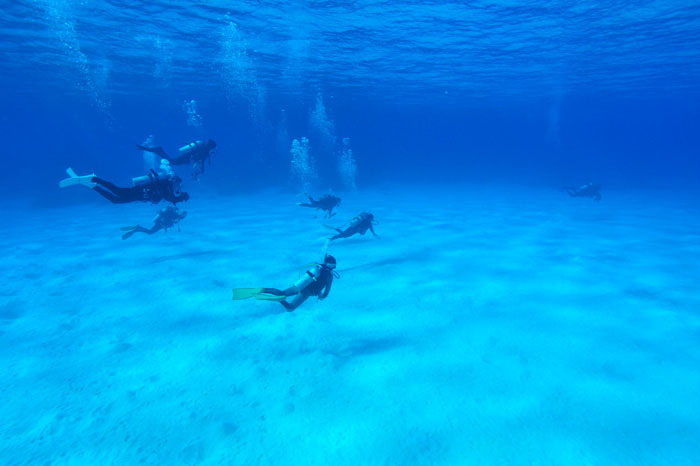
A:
[591,190]
[359,224]
[316,281]
[195,153]
[168,217]
[153,187]
[326,203]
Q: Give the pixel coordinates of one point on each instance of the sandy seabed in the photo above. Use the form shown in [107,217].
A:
[485,326]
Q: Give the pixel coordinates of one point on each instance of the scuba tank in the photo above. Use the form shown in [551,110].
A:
[313,274]
[308,277]
[150,178]
[145,179]
[189,148]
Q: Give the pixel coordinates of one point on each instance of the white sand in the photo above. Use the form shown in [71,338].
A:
[484,327]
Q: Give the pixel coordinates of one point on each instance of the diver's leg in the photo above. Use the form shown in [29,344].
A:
[156,150]
[182,160]
[111,197]
[311,202]
[136,229]
[108,184]
[116,194]
[117,198]
[296,302]
[153,229]
[292,290]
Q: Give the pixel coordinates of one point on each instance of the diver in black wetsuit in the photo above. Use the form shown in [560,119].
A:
[153,188]
[359,224]
[168,217]
[316,281]
[325,203]
[196,153]
[591,190]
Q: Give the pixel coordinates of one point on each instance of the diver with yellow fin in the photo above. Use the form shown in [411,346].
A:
[196,153]
[316,281]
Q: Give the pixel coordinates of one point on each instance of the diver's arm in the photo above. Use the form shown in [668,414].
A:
[372,230]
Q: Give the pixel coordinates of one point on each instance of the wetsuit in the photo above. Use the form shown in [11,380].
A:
[359,224]
[159,188]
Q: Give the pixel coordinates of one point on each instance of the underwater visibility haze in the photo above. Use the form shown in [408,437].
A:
[483,215]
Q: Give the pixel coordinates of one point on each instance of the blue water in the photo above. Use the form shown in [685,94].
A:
[555,93]
[536,321]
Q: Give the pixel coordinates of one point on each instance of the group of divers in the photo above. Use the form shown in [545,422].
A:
[165,185]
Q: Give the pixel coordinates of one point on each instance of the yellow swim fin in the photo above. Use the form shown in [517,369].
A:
[269,297]
[245,293]
[257,293]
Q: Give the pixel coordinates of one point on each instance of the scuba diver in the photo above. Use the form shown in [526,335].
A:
[168,217]
[359,224]
[196,153]
[153,187]
[326,203]
[316,281]
[591,190]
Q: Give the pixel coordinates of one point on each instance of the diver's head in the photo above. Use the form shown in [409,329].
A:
[329,262]
[211,144]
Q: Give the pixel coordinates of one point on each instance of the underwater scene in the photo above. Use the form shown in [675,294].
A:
[350,233]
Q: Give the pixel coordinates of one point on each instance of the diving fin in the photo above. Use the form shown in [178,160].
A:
[245,293]
[257,293]
[269,297]
[339,230]
[85,180]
